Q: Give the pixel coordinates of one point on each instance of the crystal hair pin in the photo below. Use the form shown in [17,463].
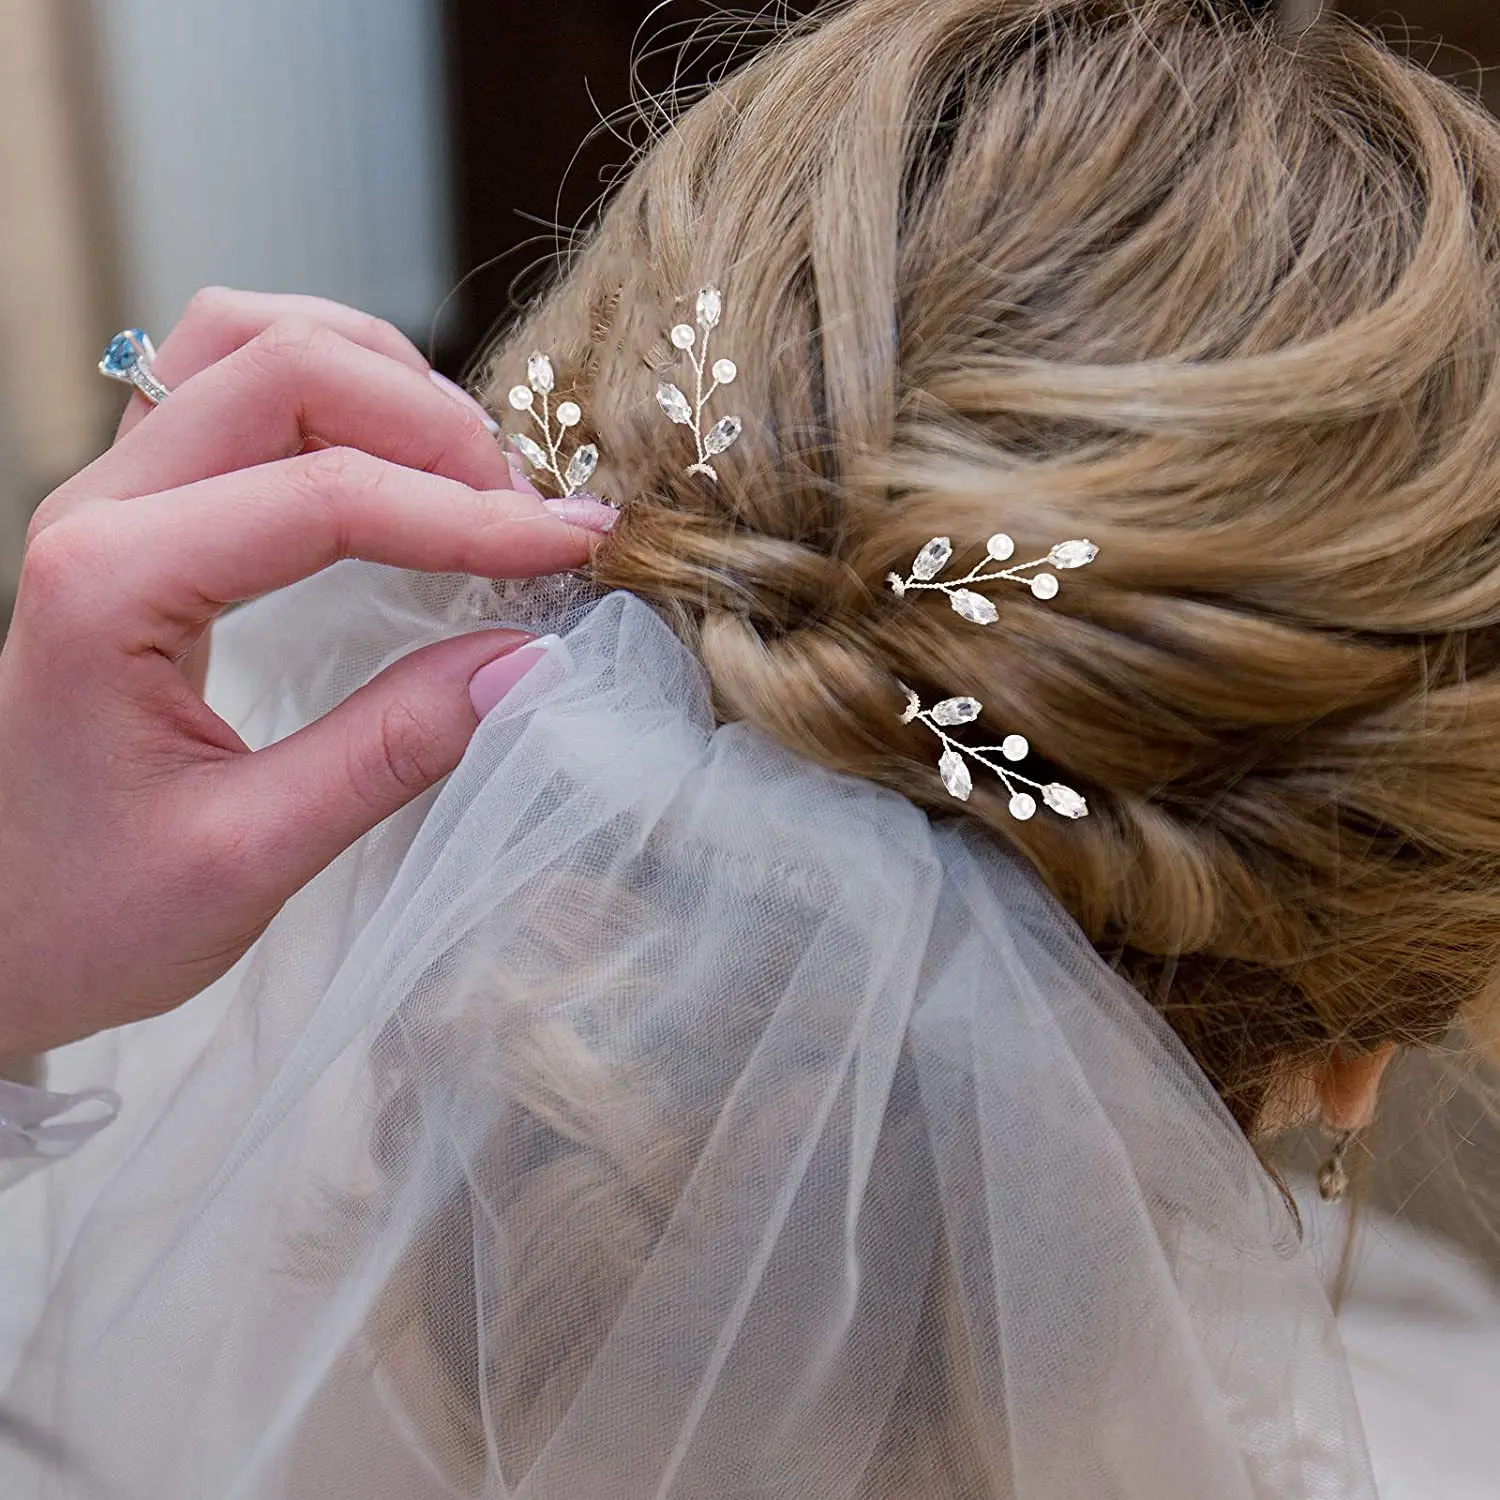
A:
[954,769]
[541,381]
[953,712]
[938,553]
[689,413]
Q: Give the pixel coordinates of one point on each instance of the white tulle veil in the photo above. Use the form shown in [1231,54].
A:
[650,1113]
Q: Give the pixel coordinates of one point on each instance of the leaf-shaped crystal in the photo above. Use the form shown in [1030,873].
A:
[1063,799]
[974,607]
[531,451]
[955,774]
[723,435]
[539,374]
[675,404]
[953,711]
[1023,806]
[1076,554]
[521,397]
[1044,586]
[710,306]
[932,559]
[581,466]
[1000,547]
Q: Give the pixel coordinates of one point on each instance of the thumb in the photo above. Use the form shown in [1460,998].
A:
[317,791]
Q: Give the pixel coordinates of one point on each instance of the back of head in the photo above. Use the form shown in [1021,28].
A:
[1221,300]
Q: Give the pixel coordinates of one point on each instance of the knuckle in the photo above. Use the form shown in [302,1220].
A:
[333,471]
[60,560]
[378,334]
[288,345]
[210,307]
[325,482]
[45,516]
[478,519]
[406,756]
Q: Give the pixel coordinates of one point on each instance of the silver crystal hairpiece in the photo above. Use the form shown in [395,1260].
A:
[541,381]
[685,413]
[954,769]
[953,712]
[938,553]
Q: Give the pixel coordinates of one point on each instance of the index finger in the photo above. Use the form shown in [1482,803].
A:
[175,560]
[292,384]
[218,320]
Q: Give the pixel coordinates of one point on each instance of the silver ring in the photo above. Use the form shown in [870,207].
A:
[128,358]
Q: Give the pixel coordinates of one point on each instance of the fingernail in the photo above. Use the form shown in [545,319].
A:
[584,511]
[495,679]
[459,394]
[518,480]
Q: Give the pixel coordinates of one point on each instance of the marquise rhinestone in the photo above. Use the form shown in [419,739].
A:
[539,374]
[953,711]
[581,466]
[932,559]
[675,404]
[974,607]
[1064,800]
[1075,554]
[710,306]
[723,435]
[531,451]
[955,774]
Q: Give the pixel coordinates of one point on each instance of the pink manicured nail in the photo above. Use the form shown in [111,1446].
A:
[495,679]
[459,394]
[584,511]
[518,480]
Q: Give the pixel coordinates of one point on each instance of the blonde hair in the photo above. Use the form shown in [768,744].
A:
[1224,301]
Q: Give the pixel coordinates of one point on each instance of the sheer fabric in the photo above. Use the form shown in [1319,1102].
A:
[649,1113]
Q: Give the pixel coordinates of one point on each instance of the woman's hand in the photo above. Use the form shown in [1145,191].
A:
[143,848]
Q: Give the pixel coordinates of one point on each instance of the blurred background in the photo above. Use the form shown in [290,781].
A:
[418,158]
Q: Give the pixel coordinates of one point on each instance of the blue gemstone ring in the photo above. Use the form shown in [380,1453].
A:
[128,358]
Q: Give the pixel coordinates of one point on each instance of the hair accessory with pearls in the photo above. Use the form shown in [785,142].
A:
[540,382]
[685,413]
[954,769]
[952,712]
[937,554]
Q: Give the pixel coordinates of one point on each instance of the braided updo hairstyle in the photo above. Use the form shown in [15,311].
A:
[1225,301]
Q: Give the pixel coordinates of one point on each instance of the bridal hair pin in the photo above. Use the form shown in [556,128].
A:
[938,553]
[726,431]
[954,769]
[540,382]
[952,712]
